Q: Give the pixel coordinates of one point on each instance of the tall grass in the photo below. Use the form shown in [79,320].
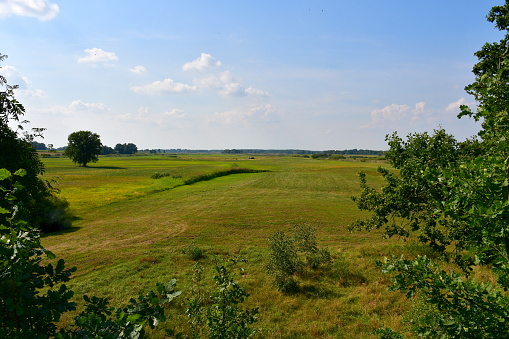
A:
[220,173]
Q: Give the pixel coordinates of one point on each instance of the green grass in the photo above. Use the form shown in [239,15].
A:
[131,231]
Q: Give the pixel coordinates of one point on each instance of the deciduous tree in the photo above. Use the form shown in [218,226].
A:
[454,197]
[41,206]
[83,147]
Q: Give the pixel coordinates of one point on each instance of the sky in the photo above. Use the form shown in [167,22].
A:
[315,75]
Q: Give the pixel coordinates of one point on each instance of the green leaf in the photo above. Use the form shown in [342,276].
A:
[4,174]
[21,172]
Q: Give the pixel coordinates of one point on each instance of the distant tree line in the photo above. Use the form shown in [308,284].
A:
[40,146]
[129,148]
[297,151]
[180,151]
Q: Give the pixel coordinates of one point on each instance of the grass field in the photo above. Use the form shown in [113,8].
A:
[130,231]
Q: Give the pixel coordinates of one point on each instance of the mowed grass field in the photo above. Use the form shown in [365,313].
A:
[130,231]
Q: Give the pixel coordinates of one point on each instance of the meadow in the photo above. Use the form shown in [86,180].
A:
[130,232]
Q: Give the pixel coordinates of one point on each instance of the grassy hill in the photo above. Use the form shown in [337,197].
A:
[130,231]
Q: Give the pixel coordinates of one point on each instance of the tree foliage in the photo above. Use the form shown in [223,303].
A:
[41,206]
[129,148]
[222,316]
[83,147]
[107,150]
[454,197]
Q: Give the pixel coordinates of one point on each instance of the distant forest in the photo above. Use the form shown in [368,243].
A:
[355,151]
[298,151]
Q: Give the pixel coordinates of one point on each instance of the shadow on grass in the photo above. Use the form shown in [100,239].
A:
[105,167]
[343,274]
[316,292]
[64,231]
[313,283]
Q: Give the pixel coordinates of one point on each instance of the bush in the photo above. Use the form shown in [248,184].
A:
[283,262]
[193,252]
[290,254]
[158,175]
[222,315]
[54,214]
[337,157]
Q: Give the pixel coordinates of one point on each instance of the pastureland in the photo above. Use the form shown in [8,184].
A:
[131,229]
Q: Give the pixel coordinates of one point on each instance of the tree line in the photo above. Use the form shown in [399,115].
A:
[302,152]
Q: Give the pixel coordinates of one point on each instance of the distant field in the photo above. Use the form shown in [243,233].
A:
[131,229]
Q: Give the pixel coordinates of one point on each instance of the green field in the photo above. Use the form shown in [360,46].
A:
[130,230]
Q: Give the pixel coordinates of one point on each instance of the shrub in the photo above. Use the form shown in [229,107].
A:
[54,214]
[283,261]
[222,315]
[158,175]
[290,254]
[193,252]
[337,157]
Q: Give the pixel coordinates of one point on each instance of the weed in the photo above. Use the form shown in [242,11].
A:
[193,252]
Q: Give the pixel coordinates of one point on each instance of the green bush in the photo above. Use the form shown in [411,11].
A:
[54,214]
[337,157]
[193,252]
[290,254]
[222,315]
[158,175]
[283,261]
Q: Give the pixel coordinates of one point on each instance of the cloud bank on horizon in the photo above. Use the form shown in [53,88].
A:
[289,75]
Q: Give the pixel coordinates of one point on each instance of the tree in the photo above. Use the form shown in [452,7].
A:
[107,150]
[454,197]
[41,206]
[40,146]
[83,147]
[129,148]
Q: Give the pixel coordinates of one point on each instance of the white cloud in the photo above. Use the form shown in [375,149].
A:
[233,89]
[176,113]
[209,82]
[28,93]
[238,114]
[79,105]
[392,114]
[202,63]
[40,9]
[14,77]
[418,111]
[164,87]
[226,85]
[138,69]
[256,92]
[75,109]
[455,106]
[223,83]
[161,119]
[95,55]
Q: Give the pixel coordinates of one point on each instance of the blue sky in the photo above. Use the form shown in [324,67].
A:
[313,75]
